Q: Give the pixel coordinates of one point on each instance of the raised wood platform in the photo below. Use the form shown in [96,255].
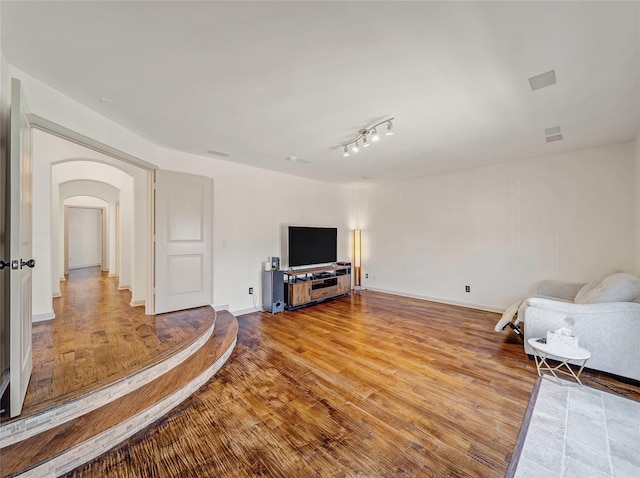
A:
[73,426]
[97,338]
[68,445]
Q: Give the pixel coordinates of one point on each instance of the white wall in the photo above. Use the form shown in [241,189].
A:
[501,228]
[249,207]
[84,236]
[637,188]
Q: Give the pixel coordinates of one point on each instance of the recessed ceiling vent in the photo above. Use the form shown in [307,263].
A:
[553,134]
[543,80]
[215,152]
[297,159]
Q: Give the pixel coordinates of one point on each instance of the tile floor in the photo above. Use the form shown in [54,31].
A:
[581,432]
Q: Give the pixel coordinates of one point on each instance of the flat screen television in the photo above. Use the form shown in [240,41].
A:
[312,245]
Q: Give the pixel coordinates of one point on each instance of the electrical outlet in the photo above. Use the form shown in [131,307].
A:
[250,290]
[366,276]
[467,288]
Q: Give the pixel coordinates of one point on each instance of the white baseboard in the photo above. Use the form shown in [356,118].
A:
[56,294]
[220,307]
[250,310]
[62,278]
[440,301]
[137,303]
[84,266]
[43,317]
[124,287]
[112,275]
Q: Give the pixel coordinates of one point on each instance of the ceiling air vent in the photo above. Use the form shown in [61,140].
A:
[543,80]
[553,134]
[215,152]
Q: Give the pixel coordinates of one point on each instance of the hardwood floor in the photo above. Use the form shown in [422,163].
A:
[58,448]
[97,338]
[369,385]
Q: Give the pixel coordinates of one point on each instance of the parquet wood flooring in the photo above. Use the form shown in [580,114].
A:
[368,385]
[96,338]
[60,439]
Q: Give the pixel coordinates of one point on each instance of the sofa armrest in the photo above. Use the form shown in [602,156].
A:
[609,330]
[559,289]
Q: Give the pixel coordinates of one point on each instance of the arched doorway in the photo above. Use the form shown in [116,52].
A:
[66,168]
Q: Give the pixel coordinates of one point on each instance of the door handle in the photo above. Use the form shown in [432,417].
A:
[4,264]
[30,263]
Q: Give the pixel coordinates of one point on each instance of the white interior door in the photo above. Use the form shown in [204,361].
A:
[183,245]
[83,237]
[21,200]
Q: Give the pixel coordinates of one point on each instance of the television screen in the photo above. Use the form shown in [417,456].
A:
[312,245]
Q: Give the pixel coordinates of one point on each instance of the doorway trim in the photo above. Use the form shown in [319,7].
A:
[63,132]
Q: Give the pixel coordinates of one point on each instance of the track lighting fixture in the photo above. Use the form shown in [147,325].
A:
[362,135]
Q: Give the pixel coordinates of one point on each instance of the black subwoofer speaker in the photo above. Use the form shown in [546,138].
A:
[273,291]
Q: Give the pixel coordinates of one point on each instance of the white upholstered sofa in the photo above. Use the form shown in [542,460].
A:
[604,314]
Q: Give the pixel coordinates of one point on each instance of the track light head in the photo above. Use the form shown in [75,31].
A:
[355,148]
[389,128]
[365,143]
[345,154]
[374,135]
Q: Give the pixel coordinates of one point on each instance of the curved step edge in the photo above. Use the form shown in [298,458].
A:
[19,430]
[97,445]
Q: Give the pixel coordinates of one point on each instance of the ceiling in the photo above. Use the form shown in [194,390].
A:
[264,81]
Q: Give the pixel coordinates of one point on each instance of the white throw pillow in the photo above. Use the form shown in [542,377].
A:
[620,287]
[589,286]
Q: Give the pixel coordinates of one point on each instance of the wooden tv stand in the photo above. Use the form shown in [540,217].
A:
[308,286]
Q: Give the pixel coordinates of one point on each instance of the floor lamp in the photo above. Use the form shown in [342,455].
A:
[357,252]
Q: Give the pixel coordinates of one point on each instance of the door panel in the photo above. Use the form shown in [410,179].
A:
[183,241]
[21,200]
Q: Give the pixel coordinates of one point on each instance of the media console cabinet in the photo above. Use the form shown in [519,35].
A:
[308,286]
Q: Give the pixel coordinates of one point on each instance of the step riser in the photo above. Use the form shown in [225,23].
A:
[19,430]
[90,449]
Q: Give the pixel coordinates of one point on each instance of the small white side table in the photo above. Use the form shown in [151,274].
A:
[543,352]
